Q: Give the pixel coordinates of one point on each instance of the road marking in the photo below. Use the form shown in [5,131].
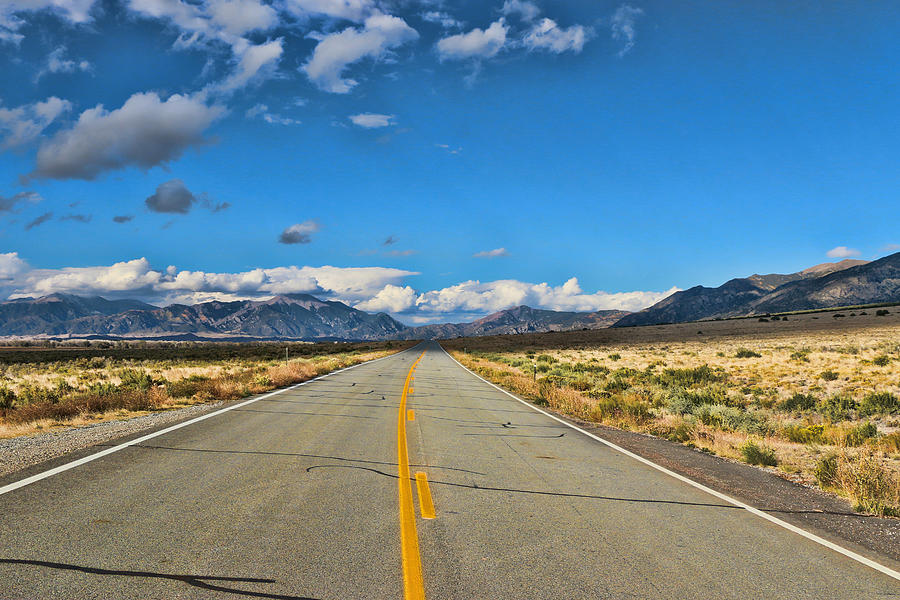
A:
[413,585]
[76,463]
[410,415]
[426,504]
[764,515]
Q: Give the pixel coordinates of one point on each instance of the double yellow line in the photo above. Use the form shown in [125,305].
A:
[413,584]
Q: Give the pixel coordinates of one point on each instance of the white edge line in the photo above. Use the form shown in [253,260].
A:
[802,532]
[76,463]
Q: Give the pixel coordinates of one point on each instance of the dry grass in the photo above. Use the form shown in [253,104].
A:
[785,399]
[40,397]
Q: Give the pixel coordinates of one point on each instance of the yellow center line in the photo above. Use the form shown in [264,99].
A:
[410,415]
[426,504]
[413,584]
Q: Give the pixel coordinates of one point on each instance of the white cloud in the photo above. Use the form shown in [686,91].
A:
[254,62]
[11,265]
[547,35]
[890,248]
[26,123]
[336,51]
[241,16]
[495,253]
[391,298]
[477,43]
[367,288]
[299,233]
[481,298]
[443,19]
[58,63]
[526,10]
[144,132]
[350,10]
[371,120]
[137,278]
[74,11]
[842,252]
[623,27]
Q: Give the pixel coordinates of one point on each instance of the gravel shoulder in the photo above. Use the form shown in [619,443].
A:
[20,453]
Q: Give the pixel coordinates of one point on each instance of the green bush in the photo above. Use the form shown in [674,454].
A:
[837,407]
[882,360]
[798,402]
[690,376]
[828,375]
[615,357]
[810,434]
[758,454]
[858,435]
[882,312]
[135,380]
[747,353]
[826,470]
[878,403]
[7,398]
[683,402]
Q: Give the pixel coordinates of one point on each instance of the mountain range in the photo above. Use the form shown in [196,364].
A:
[305,317]
[288,316]
[829,285]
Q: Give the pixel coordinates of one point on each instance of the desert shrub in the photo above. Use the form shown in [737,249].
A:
[873,488]
[826,470]
[756,454]
[102,388]
[802,355]
[882,360]
[615,357]
[690,376]
[837,407]
[810,434]
[828,375]
[882,312]
[30,393]
[7,398]
[546,358]
[681,432]
[878,403]
[890,442]
[682,402]
[188,387]
[134,379]
[798,402]
[730,418]
[746,353]
[857,435]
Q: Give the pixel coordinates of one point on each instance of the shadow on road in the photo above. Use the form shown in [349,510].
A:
[198,581]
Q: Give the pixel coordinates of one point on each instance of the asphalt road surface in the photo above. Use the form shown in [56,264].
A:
[307,494]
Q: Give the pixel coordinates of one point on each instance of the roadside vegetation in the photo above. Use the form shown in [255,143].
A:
[819,408]
[89,384]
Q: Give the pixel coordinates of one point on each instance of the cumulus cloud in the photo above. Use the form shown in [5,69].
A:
[391,298]
[474,297]
[262,111]
[11,203]
[40,220]
[299,233]
[842,252]
[171,197]
[478,43]
[622,25]
[495,253]
[122,218]
[350,10]
[371,120]
[526,10]
[335,52]
[547,35]
[137,278]
[23,124]
[144,132]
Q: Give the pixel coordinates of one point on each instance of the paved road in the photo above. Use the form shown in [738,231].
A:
[297,496]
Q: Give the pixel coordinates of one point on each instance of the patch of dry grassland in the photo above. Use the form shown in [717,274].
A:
[56,395]
[820,407]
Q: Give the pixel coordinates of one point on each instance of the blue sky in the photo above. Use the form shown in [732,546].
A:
[440,160]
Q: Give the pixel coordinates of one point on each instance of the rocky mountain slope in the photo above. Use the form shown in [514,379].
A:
[828,285]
